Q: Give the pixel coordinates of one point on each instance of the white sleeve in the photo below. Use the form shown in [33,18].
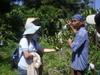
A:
[24,44]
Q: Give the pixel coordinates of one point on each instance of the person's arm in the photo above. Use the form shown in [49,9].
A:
[73,29]
[24,47]
[27,54]
[44,49]
[77,42]
[48,50]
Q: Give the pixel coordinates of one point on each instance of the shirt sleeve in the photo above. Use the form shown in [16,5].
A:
[24,44]
[78,41]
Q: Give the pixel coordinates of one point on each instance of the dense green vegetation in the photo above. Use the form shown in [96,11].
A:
[52,14]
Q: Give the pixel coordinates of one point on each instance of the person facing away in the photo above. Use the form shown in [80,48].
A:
[94,19]
[28,44]
[79,45]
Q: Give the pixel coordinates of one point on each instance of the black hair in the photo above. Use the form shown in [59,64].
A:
[36,22]
[97,21]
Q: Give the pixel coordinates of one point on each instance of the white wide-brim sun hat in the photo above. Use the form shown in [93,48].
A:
[28,21]
[90,19]
[32,29]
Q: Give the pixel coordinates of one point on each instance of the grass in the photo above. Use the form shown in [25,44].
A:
[5,53]
[50,60]
[55,63]
[5,68]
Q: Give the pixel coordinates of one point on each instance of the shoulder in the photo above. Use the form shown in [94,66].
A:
[23,40]
[83,31]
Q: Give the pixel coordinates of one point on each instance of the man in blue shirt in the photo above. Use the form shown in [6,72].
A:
[79,46]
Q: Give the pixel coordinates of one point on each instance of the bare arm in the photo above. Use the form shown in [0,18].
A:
[27,55]
[73,29]
[48,50]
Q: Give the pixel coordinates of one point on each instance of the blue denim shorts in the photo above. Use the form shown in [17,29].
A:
[22,71]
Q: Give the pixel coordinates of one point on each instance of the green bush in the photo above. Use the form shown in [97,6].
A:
[57,63]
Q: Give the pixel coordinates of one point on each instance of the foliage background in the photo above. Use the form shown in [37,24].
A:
[52,14]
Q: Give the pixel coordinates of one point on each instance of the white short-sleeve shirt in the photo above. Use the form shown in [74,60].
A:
[24,45]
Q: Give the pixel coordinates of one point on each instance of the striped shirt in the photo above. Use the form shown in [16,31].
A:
[79,49]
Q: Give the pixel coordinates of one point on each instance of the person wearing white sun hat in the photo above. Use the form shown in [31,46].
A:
[31,20]
[90,19]
[32,29]
[28,45]
[94,19]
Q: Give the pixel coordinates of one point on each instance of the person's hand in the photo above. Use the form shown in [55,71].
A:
[68,22]
[69,42]
[57,49]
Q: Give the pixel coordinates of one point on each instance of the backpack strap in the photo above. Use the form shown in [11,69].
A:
[35,45]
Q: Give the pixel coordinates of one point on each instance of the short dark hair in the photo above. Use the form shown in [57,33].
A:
[97,19]
[36,22]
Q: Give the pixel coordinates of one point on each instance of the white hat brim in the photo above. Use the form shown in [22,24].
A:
[29,20]
[31,30]
[90,19]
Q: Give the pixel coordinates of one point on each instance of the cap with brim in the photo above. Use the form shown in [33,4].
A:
[90,19]
[32,29]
